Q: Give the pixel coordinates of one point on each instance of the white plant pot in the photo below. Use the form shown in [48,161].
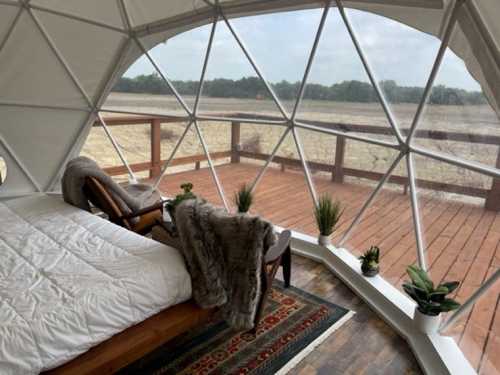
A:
[324,240]
[426,323]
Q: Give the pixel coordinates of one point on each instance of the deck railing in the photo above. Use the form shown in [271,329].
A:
[338,170]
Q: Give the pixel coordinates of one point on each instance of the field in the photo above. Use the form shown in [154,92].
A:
[135,139]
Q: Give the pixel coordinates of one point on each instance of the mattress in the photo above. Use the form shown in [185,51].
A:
[70,280]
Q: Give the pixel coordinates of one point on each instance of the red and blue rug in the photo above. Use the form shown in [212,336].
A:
[294,323]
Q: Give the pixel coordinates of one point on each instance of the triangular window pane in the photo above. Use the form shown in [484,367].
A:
[142,90]
[458,119]
[284,182]
[388,220]
[99,148]
[232,88]
[338,91]
[401,59]
[463,245]
[294,33]
[181,58]
[190,163]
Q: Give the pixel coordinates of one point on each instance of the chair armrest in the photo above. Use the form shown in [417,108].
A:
[277,250]
[145,210]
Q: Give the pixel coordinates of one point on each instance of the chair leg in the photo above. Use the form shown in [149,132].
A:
[286,263]
[285,260]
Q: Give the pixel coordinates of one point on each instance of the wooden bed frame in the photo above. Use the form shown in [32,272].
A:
[133,343]
[136,341]
[141,339]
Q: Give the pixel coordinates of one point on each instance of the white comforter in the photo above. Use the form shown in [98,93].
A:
[69,280]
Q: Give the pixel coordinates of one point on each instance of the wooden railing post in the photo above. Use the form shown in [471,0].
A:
[235,142]
[338,172]
[155,148]
[493,199]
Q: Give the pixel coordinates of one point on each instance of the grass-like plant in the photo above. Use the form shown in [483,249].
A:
[369,260]
[243,198]
[327,214]
[431,301]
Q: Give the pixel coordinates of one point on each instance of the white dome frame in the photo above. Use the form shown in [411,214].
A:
[466,16]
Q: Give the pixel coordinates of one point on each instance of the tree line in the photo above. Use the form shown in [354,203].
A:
[346,91]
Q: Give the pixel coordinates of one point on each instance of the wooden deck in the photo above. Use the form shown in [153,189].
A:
[463,239]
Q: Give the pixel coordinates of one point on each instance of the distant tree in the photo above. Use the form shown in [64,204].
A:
[346,91]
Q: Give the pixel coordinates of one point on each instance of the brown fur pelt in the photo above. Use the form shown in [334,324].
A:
[224,257]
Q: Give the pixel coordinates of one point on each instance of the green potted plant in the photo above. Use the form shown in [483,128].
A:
[431,301]
[173,203]
[243,198]
[370,261]
[327,214]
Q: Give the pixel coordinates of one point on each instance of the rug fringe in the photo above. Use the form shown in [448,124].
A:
[309,348]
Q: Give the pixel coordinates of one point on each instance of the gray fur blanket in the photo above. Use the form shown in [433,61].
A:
[129,199]
[224,254]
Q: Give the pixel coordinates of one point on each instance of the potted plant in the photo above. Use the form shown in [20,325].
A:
[369,261]
[327,214]
[431,301]
[173,203]
[243,198]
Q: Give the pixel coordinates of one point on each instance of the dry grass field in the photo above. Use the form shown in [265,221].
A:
[135,139]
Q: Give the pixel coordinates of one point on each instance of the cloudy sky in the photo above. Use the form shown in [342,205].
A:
[281,44]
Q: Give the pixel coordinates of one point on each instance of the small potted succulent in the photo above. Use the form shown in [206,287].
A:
[327,214]
[431,301]
[370,261]
[173,203]
[243,198]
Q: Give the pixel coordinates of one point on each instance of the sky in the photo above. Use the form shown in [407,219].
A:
[281,43]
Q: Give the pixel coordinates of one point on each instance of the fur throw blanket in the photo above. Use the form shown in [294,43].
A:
[224,254]
[129,199]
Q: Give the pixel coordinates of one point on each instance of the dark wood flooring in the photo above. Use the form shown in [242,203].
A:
[363,345]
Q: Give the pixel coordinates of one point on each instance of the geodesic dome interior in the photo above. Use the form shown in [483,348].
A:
[59,60]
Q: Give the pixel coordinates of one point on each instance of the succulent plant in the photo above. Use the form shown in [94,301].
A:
[327,214]
[430,300]
[186,194]
[244,198]
[370,261]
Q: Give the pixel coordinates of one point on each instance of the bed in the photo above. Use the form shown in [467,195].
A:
[70,280]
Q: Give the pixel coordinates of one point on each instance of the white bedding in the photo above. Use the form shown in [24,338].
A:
[69,280]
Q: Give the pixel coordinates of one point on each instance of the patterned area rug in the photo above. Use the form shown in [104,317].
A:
[294,323]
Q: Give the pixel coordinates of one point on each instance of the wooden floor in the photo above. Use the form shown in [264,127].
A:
[463,239]
[363,345]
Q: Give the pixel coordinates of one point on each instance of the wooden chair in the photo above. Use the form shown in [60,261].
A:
[278,255]
[148,217]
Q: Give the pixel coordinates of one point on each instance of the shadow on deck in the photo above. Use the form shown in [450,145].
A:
[462,239]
